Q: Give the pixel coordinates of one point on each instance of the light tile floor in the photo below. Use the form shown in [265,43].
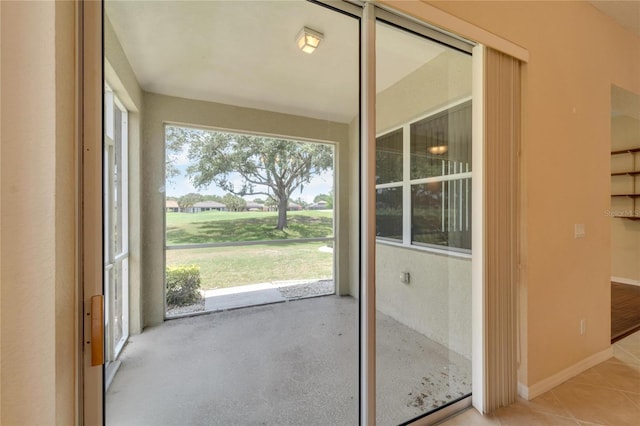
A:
[607,394]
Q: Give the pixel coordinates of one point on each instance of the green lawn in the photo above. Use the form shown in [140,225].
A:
[234,266]
[216,227]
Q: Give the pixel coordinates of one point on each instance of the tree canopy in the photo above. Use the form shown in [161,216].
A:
[268,166]
[233,203]
[187,201]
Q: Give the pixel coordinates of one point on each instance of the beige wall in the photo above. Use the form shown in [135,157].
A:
[576,53]
[38,187]
[121,78]
[625,234]
[160,109]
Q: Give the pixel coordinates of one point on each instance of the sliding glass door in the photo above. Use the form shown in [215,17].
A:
[228,73]
[257,102]
[423,224]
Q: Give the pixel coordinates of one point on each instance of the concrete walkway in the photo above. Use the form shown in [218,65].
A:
[256,295]
[236,297]
[265,293]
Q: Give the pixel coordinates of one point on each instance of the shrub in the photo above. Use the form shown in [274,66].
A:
[183,284]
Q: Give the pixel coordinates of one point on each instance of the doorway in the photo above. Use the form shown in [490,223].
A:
[342,126]
[277,361]
[625,213]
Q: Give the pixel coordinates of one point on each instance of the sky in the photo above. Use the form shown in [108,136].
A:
[180,185]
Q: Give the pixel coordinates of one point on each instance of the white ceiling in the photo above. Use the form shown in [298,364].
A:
[625,103]
[243,53]
[626,13]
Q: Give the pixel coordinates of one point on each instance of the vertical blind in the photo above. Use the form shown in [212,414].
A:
[502,145]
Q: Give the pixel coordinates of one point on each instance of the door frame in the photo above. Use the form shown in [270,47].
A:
[91,404]
[90,254]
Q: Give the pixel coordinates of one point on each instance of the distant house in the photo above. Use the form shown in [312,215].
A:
[294,207]
[255,207]
[208,206]
[320,205]
[172,206]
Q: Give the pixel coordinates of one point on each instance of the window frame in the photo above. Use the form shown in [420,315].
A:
[407,183]
[115,258]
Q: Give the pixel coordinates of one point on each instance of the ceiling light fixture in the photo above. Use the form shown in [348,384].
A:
[308,40]
[438,150]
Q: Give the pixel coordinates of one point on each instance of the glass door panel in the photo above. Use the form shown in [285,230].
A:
[267,84]
[423,208]
[115,227]
[243,75]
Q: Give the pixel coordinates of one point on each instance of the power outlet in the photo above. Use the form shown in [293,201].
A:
[583,326]
[405,277]
[579,230]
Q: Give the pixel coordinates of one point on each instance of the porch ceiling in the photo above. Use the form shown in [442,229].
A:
[243,53]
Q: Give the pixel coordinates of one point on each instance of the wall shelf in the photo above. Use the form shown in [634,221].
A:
[626,151]
[628,217]
[632,173]
[625,173]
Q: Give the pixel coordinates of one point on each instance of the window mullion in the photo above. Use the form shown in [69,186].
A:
[125,180]
[109,118]
[406,184]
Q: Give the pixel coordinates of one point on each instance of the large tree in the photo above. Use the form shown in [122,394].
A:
[268,166]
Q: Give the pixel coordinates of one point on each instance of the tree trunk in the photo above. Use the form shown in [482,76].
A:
[282,213]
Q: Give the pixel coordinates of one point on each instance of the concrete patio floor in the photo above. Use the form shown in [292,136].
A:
[292,363]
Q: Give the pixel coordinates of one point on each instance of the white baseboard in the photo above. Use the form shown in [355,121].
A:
[523,391]
[625,281]
[549,383]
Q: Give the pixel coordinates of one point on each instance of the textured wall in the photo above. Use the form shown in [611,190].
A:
[38,282]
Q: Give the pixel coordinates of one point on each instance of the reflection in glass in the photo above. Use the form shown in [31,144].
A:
[441,143]
[389,157]
[389,213]
[440,213]
[423,215]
